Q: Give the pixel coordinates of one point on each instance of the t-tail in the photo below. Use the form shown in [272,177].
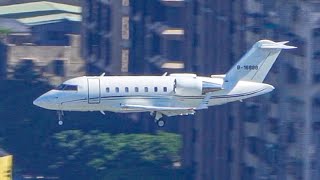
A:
[257,62]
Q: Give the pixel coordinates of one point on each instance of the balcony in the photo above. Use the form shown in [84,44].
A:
[173,65]
[167,32]
[173,3]
[166,64]
[316,67]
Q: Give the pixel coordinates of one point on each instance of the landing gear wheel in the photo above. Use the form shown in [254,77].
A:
[60,117]
[161,123]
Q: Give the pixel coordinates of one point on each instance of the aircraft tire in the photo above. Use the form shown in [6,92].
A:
[161,123]
[60,123]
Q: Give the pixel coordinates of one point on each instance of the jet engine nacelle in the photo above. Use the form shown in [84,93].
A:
[188,86]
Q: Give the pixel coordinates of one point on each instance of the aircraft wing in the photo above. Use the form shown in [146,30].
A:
[168,111]
[157,108]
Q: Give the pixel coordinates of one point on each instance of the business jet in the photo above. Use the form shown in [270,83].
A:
[169,95]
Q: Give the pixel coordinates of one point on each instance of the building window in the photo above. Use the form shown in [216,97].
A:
[125,2]
[136,89]
[155,89]
[126,89]
[291,136]
[124,60]
[55,35]
[117,89]
[58,67]
[230,155]
[292,75]
[145,89]
[107,90]
[249,173]
[125,28]
[254,145]
[274,125]
[252,113]
[165,89]
[107,52]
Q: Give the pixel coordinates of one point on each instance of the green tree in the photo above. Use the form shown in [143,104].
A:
[86,154]
[4,32]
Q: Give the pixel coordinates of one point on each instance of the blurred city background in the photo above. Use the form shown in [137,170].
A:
[272,137]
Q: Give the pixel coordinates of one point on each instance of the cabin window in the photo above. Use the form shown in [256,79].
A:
[107,90]
[70,88]
[126,89]
[67,87]
[155,89]
[136,89]
[165,89]
[117,89]
[145,89]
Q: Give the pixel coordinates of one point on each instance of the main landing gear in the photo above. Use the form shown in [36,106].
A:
[158,119]
[60,117]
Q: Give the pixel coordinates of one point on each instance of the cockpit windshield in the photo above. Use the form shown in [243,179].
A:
[67,87]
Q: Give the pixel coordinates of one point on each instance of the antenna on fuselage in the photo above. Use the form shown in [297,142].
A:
[102,74]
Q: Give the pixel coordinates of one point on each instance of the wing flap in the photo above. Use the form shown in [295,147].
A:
[178,112]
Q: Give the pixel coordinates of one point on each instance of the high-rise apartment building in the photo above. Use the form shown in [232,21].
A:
[215,41]
[121,37]
[133,37]
[281,137]
[200,36]
[269,137]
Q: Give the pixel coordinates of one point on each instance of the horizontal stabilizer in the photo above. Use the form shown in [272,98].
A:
[267,44]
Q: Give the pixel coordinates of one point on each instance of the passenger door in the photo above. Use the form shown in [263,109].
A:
[94,91]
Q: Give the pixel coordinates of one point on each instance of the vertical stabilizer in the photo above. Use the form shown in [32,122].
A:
[257,62]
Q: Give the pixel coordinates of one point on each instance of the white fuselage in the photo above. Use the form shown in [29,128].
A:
[176,94]
[110,93]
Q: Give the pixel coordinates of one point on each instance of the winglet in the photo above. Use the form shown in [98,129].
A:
[102,74]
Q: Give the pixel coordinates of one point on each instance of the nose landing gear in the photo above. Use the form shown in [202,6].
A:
[60,117]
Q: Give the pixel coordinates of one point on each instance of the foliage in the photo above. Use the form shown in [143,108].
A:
[97,153]
[4,31]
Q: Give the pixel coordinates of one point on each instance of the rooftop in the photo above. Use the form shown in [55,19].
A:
[37,9]
[38,20]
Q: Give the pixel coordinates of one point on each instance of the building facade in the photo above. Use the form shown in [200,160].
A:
[281,139]
[132,37]
[213,137]
[153,37]
[42,39]
[268,137]
[56,63]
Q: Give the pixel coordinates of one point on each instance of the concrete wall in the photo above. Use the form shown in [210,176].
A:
[44,56]
[55,34]
[3,60]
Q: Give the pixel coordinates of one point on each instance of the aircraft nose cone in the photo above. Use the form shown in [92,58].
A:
[40,102]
